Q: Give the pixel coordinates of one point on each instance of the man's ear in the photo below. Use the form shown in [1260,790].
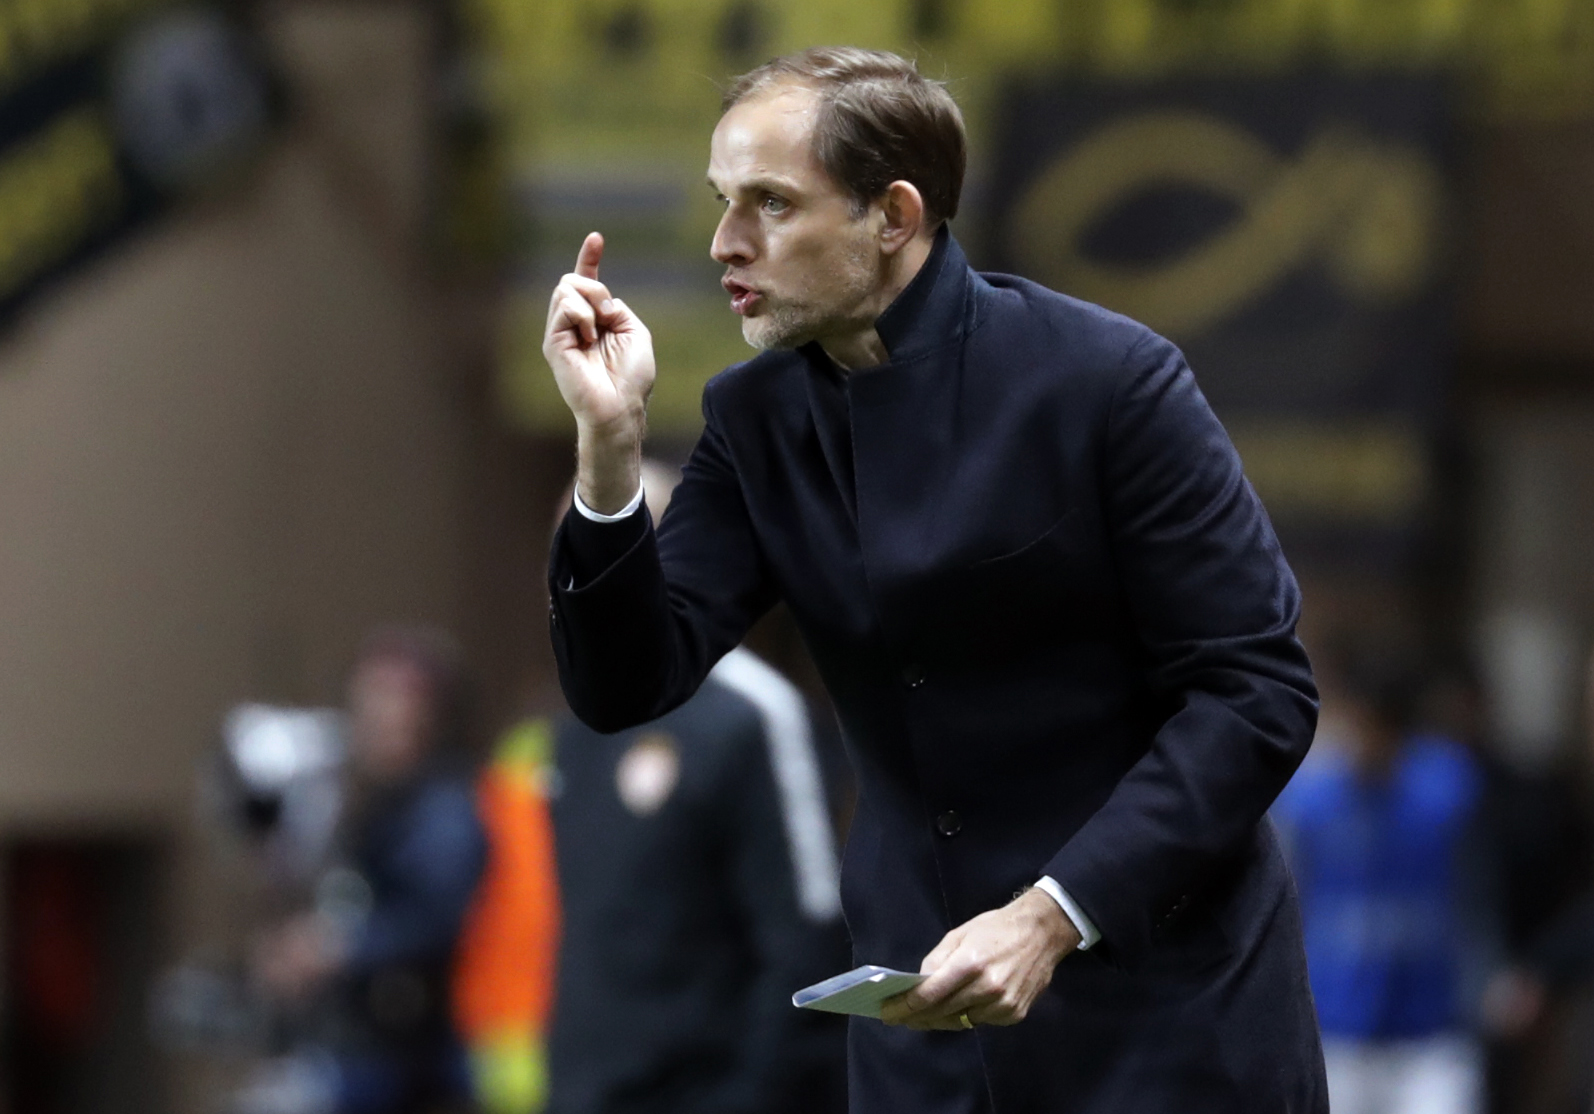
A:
[902,210]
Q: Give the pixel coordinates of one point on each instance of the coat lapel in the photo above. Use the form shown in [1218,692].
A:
[906,434]
[828,410]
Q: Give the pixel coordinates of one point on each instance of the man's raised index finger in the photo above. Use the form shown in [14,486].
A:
[590,256]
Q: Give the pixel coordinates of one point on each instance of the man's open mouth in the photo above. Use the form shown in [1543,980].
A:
[743,297]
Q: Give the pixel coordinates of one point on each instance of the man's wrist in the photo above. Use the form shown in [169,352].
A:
[1062,936]
[620,515]
[609,463]
[1088,934]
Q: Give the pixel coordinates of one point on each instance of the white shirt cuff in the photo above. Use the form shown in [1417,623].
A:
[1088,934]
[625,512]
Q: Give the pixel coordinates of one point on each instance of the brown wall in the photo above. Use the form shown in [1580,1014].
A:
[225,452]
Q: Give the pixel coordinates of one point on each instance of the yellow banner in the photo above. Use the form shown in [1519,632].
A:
[607,106]
[1367,472]
[35,34]
[56,190]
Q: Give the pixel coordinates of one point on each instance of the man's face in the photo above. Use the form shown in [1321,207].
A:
[391,717]
[802,264]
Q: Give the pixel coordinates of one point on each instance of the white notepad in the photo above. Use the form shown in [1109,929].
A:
[859,991]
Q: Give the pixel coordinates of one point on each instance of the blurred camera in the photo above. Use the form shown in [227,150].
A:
[278,783]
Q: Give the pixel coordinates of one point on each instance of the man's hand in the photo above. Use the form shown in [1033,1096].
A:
[602,358]
[293,959]
[991,969]
[1514,1001]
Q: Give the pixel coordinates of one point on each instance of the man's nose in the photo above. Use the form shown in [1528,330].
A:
[730,245]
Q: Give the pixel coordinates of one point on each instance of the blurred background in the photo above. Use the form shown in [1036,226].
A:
[272,281]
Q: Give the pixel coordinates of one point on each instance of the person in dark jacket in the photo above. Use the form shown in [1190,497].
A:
[698,891]
[367,972]
[1051,612]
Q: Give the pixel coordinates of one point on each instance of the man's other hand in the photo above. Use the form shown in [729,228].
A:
[1514,1001]
[990,969]
[602,358]
[297,956]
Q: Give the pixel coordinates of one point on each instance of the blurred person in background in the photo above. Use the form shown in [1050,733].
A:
[1535,823]
[1554,964]
[503,979]
[698,885]
[364,976]
[1383,830]
[1520,1009]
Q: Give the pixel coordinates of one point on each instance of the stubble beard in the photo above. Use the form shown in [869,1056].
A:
[780,326]
[791,324]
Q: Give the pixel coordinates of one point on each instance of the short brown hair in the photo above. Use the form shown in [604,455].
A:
[880,121]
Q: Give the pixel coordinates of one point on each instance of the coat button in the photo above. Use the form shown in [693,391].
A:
[949,823]
[913,675]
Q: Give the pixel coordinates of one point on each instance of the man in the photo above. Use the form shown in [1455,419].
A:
[367,972]
[697,878]
[1051,612]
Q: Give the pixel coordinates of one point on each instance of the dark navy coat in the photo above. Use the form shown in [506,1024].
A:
[1060,637]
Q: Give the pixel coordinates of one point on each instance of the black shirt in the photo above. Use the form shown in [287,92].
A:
[684,931]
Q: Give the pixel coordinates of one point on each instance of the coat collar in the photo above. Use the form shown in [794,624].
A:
[931,311]
[900,436]
[934,309]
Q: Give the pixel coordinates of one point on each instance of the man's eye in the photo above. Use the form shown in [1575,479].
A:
[776,204]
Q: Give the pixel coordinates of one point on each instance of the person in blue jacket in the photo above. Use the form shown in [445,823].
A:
[1381,826]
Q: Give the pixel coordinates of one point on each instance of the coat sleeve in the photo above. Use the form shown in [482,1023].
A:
[1214,608]
[634,640]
